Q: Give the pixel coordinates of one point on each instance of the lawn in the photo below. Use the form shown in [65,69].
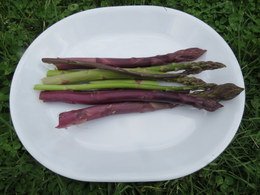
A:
[236,171]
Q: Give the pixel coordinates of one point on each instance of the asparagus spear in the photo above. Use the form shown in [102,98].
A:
[97,74]
[114,96]
[94,112]
[178,56]
[119,84]
[116,69]
[186,80]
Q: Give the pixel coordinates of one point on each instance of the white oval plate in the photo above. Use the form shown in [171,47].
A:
[154,146]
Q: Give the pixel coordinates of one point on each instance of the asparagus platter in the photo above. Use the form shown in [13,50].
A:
[141,74]
[136,93]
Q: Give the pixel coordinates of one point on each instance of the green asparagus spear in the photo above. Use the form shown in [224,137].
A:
[119,84]
[64,77]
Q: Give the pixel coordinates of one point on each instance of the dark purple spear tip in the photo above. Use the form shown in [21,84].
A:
[225,91]
[188,54]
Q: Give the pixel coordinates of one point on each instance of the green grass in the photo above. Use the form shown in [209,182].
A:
[236,171]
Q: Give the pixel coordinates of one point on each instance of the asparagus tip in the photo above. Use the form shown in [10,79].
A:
[225,91]
[45,60]
[230,90]
[204,51]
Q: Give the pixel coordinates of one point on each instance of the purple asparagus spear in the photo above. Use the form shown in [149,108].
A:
[189,54]
[113,96]
[94,112]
